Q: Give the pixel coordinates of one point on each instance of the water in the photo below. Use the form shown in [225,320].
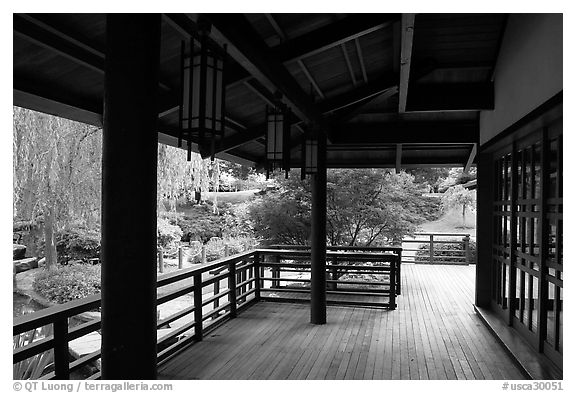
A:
[24,305]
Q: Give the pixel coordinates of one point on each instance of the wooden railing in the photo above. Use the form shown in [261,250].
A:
[428,251]
[353,277]
[215,292]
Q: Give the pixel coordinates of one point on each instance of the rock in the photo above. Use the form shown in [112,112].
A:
[25,264]
[18,251]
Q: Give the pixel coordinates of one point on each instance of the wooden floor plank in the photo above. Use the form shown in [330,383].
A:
[433,334]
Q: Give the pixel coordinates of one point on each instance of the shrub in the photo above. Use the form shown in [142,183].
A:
[68,282]
[168,234]
[445,250]
[75,244]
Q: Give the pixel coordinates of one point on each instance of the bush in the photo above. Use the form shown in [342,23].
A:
[445,250]
[431,208]
[75,244]
[168,234]
[68,282]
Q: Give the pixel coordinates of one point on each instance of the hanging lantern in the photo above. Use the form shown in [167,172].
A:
[277,139]
[201,114]
[309,154]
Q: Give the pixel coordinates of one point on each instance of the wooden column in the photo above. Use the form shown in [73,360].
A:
[484,230]
[318,240]
[129,157]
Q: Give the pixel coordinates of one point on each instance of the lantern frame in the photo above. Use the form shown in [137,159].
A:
[202,94]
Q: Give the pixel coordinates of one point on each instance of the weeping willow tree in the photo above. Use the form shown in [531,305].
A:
[178,178]
[56,174]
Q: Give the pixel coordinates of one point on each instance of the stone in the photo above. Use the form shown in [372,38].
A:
[25,264]
[18,251]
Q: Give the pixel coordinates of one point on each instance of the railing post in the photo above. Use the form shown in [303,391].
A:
[334,274]
[161,261]
[61,354]
[232,288]
[392,291]
[276,272]
[257,281]
[203,253]
[180,258]
[198,307]
[466,241]
[431,248]
[398,267]
[216,301]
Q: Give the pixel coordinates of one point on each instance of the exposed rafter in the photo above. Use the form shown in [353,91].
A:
[471,158]
[33,95]
[336,33]
[361,60]
[248,49]
[276,27]
[406,39]
[361,93]
[311,78]
[348,64]
[407,132]
[38,32]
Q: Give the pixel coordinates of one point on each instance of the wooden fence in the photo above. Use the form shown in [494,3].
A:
[214,292]
[431,248]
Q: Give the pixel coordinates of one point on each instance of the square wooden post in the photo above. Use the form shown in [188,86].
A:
[129,167]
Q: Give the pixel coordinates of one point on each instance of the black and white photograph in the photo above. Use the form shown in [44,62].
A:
[299,195]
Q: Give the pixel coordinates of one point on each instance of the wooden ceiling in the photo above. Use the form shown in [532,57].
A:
[388,89]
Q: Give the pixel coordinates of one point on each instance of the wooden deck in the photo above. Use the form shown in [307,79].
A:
[434,334]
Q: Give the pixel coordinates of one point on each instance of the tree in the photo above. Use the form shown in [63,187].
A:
[57,174]
[364,207]
[457,196]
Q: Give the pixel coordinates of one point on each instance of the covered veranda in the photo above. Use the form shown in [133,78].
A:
[378,90]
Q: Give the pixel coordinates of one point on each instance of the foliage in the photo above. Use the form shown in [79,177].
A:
[35,366]
[445,250]
[68,283]
[216,247]
[431,208]
[432,177]
[178,177]
[459,196]
[237,221]
[199,223]
[168,234]
[77,243]
[364,207]
[457,176]
[57,173]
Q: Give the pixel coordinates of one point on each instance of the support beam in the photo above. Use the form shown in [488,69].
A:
[247,48]
[361,60]
[407,132]
[35,31]
[361,93]
[318,238]
[398,157]
[311,79]
[344,30]
[34,95]
[407,37]
[276,27]
[129,158]
[348,64]
[471,158]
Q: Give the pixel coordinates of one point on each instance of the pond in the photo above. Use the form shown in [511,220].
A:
[24,305]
